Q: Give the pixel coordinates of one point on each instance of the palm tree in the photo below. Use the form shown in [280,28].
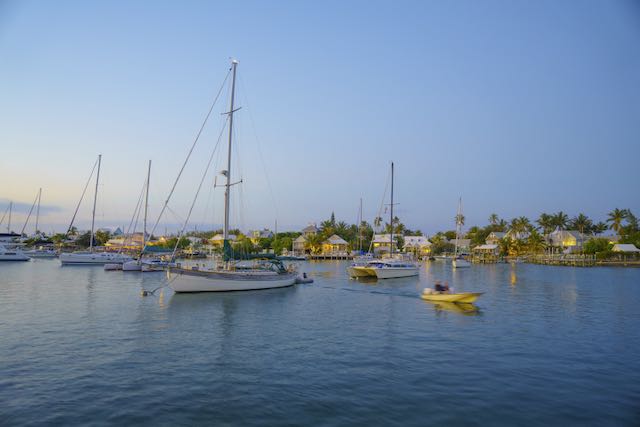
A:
[493,219]
[314,243]
[615,219]
[545,221]
[581,223]
[536,242]
[560,220]
[632,221]
[600,228]
[377,221]
[502,225]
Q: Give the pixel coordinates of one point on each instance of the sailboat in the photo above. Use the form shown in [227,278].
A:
[389,268]
[41,251]
[231,275]
[136,265]
[90,257]
[9,236]
[459,262]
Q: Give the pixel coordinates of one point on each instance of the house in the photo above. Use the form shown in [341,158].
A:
[494,237]
[517,235]
[464,245]
[625,247]
[487,249]
[218,240]
[299,245]
[117,233]
[309,230]
[419,245]
[256,235]
[334,245]
[382,243]
[132,241]
[566,239]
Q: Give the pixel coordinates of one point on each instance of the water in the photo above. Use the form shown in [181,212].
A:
[548,346]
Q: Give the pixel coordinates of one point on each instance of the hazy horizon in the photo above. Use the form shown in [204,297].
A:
[519,108]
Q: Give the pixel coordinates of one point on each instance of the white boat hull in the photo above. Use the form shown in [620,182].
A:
[41,254]
[460,263]
[14,256]
[394,273]
[88,258]
[181,280]
[132,266]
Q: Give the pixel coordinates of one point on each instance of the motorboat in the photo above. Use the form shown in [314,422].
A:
[41,252]
[460,262]
[458,297]
[381,269]
[15,254]
[93,258]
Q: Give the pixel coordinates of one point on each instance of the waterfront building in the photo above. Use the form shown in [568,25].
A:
[464,245]
[418,245]
[625,247]
[218,240]
[299,245]
[256,235]
[494,237]
[568,240]
[310,230]
[382,243]
[335,246]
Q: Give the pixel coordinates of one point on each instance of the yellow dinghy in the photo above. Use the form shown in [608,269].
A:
[463,297]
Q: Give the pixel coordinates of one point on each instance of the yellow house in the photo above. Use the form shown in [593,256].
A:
[218,240]
[334,245]
[418,245]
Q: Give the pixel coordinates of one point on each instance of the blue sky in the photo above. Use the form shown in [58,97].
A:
[518,107]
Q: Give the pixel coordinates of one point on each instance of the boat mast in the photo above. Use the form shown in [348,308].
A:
[146,208]
[391,222]
[360,226]
[38,209]
[9,223]
[234,64]
[95,199]
[455,251]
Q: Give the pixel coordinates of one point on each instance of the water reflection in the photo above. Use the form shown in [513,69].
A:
[467,309]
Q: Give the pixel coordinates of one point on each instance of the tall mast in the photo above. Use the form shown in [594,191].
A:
[360,226]
[391,222]
[234,64]
[38,209]
[95,199]
[146,208]
[455,253]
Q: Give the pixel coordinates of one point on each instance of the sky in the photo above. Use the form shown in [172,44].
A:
[517,107]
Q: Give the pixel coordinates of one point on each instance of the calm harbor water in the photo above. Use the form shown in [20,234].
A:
[548,346]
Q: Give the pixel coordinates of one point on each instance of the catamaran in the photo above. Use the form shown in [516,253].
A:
[90,257]
[458,261]
[385,268]
[232,274]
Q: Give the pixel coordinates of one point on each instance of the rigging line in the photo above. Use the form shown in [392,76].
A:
[5,214]
[173,188]
[136,214]
[29,215]
[204,175]
[81,197]
[259,145]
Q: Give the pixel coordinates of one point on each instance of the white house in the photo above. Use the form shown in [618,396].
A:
[625,247]
[419,245]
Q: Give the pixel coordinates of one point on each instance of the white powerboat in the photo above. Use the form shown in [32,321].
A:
[93,258]
[12,254]
[390,269]
[41,253]
[460,263]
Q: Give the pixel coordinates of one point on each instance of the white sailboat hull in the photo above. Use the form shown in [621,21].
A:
[181,280]
[88,258]
[132,266]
